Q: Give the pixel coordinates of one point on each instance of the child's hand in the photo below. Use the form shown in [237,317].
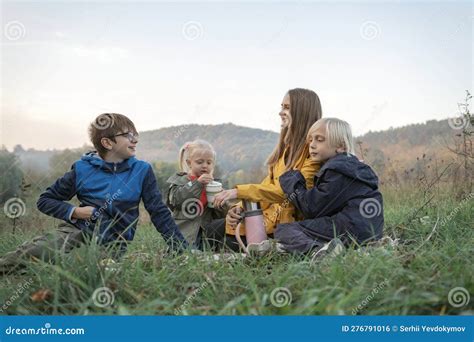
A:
[83,213]
[205,179]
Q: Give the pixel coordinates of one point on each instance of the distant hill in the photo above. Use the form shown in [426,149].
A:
[404,147]
[240,147]
[431,134]
[243,150]
[237,147]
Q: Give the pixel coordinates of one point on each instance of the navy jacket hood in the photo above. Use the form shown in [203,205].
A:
[350,166]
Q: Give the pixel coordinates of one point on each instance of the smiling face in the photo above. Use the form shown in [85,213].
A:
[201,162]
[319,148]
[285,112]
[123,148]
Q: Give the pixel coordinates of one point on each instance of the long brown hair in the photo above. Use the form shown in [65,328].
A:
[305,110]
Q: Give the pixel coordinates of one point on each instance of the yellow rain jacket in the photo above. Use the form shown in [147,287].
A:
[276,208]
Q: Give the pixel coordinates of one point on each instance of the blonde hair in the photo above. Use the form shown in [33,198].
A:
[189,149]
[339,133]
[305,109]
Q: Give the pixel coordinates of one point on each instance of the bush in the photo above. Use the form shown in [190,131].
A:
[12,175]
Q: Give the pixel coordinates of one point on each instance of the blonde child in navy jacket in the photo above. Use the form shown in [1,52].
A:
[345,203]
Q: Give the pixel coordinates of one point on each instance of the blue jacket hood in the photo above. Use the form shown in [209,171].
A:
[93,158]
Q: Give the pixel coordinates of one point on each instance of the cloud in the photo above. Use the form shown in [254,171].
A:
[102,54]
[60,34]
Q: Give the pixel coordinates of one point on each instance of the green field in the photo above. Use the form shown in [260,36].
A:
[433,256]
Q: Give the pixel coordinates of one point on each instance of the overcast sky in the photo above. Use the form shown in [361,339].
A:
[374,64]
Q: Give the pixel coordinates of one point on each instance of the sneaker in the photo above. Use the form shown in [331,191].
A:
[261,248]
[280,248]
[228,257]
[330,249]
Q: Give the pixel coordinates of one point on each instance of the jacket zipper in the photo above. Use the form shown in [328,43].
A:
[113,188]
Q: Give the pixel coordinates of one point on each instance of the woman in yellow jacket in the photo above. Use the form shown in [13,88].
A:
[300,108]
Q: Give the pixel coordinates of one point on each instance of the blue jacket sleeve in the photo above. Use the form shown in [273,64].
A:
[318,201]
[160,214]
[52,202]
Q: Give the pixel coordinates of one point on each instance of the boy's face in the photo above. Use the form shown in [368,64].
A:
[319,148]
[201,162]
[124,146]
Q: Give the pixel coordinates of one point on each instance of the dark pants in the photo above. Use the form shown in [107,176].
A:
[214,237]
[297,238]
[46,247]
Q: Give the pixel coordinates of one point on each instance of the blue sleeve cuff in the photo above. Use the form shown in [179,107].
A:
[69,216]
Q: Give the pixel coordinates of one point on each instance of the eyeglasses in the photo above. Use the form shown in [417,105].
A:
[129,135]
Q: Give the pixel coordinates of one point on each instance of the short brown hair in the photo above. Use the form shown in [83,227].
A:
[107,125]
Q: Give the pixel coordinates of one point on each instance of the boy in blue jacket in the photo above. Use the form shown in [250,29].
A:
[344,205]
[109,185]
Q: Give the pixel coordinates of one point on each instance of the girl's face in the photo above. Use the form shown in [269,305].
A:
[285,112]
[319,148]
[201,162]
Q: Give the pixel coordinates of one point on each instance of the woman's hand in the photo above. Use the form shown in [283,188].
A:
[233,216]
[223,196]
[83,213]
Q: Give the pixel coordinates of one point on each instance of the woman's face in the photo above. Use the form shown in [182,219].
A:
[285,112]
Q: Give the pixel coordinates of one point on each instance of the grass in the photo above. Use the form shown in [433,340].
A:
[413,277]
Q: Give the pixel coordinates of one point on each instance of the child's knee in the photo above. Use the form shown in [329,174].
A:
[284,231]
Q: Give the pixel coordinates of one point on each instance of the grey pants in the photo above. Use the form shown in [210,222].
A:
[44,247]
[296,238]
